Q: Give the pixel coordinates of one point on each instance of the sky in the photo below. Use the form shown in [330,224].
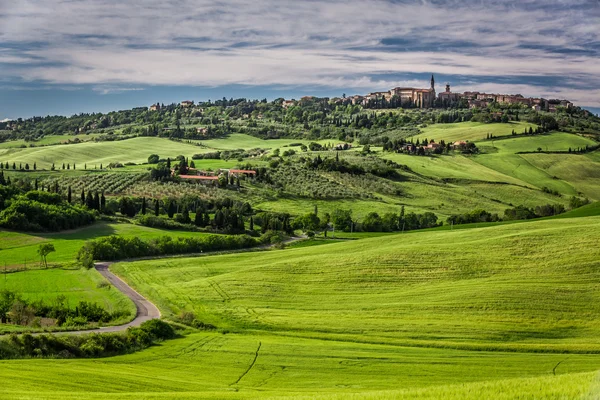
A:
[70,56]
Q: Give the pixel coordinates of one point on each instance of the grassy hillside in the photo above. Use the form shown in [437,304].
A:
[471,131]
[18,249]
[76,285]
[221,366]
[557,141]
[132,150]
[398,316]
[521,286]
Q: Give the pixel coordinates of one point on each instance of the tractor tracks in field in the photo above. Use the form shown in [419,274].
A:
[249,367]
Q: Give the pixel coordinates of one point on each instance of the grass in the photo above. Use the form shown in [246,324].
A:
[471,131]
[76,285]
[242,141]
[557,141]
[469,314]
[212,365]
[18,249]
[487,288]
[134,150]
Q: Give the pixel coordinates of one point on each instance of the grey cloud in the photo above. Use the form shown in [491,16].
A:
[267,42]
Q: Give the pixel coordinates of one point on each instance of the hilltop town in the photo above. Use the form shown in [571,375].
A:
[408,97]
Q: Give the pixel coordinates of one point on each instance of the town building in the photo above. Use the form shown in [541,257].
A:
[154,107]
[186,103]
[422,98]
[448,98]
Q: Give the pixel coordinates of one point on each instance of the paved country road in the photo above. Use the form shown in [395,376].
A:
[145,309]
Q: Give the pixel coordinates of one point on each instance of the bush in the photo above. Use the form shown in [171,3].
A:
[116,247]
[85,346]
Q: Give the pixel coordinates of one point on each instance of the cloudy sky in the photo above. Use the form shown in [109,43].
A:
[63,57]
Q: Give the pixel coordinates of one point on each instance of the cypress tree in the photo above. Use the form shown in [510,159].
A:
[69,194]
[198,219]
[156,208]
[102,202]
[89,200]
[185,215]
[36,184]
[171,209]
[143,206]
[96,201]
[82,196]
[251,223]
[35,166]
[2,180]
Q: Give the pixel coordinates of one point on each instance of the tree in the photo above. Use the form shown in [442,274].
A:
[153,159]
[219,219]
[251,223]
[102,202]
[82,196]
[307,222]
[7,299]
[69,193]
[143,206]
[342,219]
[43,250]
[35,166]
[199,219]
[171,208]
[89,200]
[372,223]
[96,201]
[185,216]
[156,208]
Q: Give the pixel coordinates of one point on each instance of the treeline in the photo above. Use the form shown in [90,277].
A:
[86,346]
[35,210]
[118,248]
[511,214]
[18,311]
[342,220]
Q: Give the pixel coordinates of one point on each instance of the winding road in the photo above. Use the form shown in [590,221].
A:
[145,309]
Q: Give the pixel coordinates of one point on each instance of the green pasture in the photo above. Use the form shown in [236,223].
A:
[134,150]
[518,166]
[242,141]
[520,287]
[213,365]
[471,131]
[75,284]
[456,166]
[18,250]
[556,141]
[581,172]
[48,140]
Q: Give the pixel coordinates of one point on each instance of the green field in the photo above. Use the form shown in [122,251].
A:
[557,141]
[487,288]
[18,250]
[241,141]
[134,150]
[471,131]
[76,285]
[215,366]
[503,312]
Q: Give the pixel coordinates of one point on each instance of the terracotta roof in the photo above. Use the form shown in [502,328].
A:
[242,171]
[200,177]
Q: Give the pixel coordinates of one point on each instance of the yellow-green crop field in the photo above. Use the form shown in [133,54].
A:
[509,311]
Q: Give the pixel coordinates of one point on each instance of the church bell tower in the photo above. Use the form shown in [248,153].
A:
[432,83]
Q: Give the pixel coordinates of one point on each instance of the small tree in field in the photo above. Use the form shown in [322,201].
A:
[43,250]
